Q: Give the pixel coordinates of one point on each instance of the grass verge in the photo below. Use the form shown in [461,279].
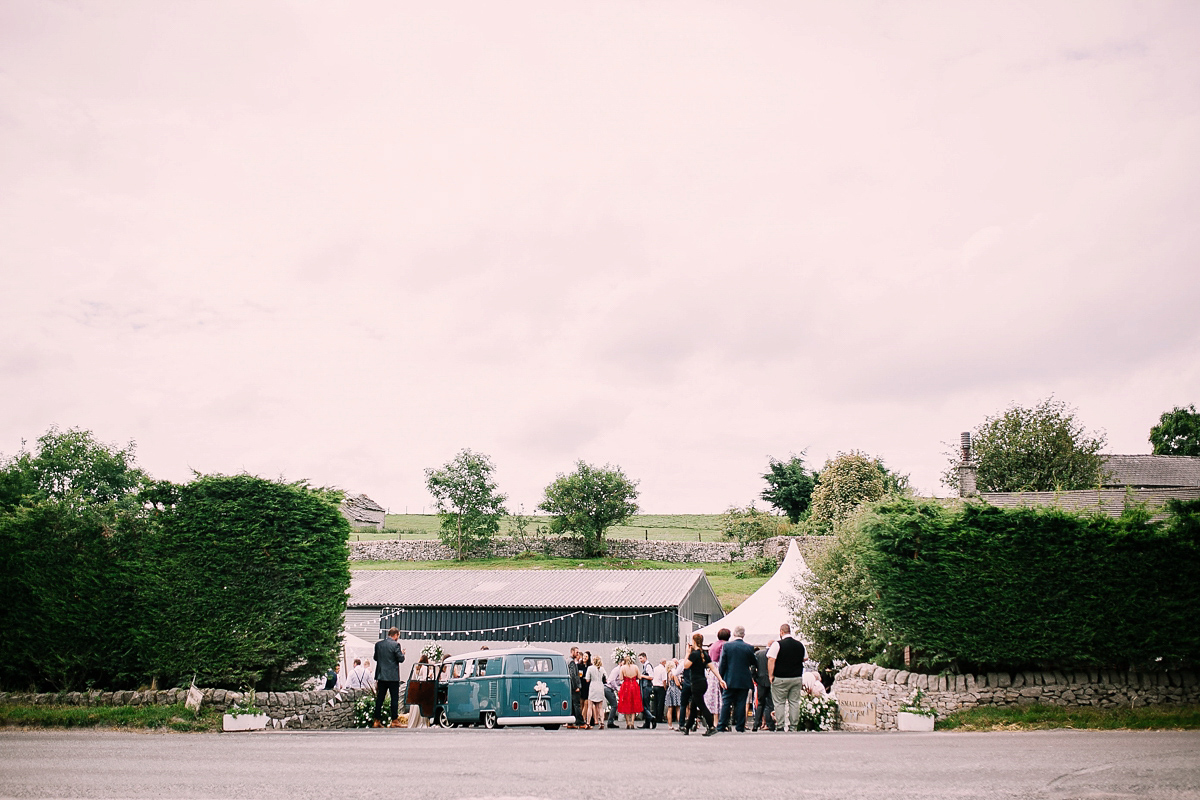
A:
[175,718]
[731,589]
[1034,718]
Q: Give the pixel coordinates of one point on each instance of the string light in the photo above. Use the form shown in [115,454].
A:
[434,634]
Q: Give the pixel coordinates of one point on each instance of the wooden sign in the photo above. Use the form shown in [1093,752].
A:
[857,711]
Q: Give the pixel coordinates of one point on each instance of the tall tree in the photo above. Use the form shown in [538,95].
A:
[789,486]
[468,502]
[588,501]
[847,482]
[1177,432]
[1039,449]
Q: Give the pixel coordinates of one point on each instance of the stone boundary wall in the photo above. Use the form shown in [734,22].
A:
[652,550]
[317,709]
[949,693]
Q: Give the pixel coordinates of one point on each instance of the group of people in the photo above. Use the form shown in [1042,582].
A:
[729,679]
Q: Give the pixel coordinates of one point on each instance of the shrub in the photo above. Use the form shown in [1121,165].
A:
[997,588]
[848,482]
[252,577]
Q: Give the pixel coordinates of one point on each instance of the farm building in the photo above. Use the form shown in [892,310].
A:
[653,610]
[363,512]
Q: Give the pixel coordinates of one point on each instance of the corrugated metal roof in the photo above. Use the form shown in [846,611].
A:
[492,588]
[1152,471]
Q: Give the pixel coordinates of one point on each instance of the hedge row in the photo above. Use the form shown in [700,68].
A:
[1001,588]
[234,580]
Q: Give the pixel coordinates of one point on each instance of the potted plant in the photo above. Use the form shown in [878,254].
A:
[248,717]
[914,715]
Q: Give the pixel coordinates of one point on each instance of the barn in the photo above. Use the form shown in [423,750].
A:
[651,610]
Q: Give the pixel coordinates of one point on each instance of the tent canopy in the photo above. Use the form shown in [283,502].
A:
[763,612]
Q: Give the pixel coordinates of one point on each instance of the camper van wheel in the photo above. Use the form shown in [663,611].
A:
[551,727]
[489,719]
[442,720]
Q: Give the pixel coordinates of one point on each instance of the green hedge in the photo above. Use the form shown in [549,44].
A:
[235,580]
[999,588]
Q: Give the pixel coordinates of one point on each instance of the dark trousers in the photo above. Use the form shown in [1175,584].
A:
[658,701]
[577,708]
[692,705]
[648,718]
[387,687]
[733,700]
[611,697]
[764,707]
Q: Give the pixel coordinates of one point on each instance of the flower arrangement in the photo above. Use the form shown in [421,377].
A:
[364,708]
[915,704]
[434,653]
[817,713]
[620,653]
[247,705]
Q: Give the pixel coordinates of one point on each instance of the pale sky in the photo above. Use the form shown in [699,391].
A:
[344,241]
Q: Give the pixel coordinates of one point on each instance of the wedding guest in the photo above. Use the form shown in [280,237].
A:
[358,678]
[658,690]
[646,679]
[737,668]
[673,695]
[611,686]
[764,709]
[629,699]
[576,697]
[785,664]
[696,664]
[594,713]
[712,696]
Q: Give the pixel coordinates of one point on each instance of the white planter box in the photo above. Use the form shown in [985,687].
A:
[244,722]
[906,721]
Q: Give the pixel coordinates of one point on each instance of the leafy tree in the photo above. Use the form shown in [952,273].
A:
[71,465]
[751,525]
[467,501]
[1177,432]
[71,528]
[789,486]
[588,501]
[248,581]
[1039,449]
[834,605]
[846,483]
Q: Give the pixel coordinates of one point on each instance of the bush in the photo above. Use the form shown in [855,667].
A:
[252,578]
[848,482]
[994,588]
[751,525]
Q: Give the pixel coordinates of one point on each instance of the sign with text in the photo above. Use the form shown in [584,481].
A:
[857,710]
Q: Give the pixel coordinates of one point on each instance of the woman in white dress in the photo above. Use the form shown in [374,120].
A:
[593,710]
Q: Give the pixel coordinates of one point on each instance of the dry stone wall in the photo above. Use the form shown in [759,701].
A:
[652,550]
[947,693]
[315,709]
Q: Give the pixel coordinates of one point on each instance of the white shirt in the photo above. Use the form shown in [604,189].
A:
[773,650]
[358,678]
[660,676]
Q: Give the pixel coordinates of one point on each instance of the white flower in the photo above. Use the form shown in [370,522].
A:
[541,688]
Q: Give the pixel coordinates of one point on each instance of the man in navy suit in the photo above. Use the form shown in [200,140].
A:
[737,664]
[388,657]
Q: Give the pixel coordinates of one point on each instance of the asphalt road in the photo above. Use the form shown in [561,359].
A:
[436,764]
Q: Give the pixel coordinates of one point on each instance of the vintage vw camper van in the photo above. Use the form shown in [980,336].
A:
[494,688]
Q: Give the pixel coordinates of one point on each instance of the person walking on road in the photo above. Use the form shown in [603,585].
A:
[388,658]
[737,667]
[785,666]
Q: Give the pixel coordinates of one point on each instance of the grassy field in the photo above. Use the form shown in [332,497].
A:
[669,527]
[1032,718]
[176,717]
[731,590]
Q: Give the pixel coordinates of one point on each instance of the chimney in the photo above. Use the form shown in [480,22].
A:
[966,468]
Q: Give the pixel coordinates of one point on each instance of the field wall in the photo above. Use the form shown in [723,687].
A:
[869,696]
[309,710]
[652,550]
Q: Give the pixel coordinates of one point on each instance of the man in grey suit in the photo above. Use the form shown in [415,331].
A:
[388,657]
[737,667]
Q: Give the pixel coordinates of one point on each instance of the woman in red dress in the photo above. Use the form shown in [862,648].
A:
[629,701]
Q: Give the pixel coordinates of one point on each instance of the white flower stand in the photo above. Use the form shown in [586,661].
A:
[907,721]
[244,722]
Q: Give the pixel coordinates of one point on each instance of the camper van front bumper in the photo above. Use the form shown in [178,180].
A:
[564,720]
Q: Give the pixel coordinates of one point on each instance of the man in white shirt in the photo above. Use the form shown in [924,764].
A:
[358,678]
[658,689]
[785,664]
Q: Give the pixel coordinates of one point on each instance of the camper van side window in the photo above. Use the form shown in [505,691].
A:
[458,670]
[535,665]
